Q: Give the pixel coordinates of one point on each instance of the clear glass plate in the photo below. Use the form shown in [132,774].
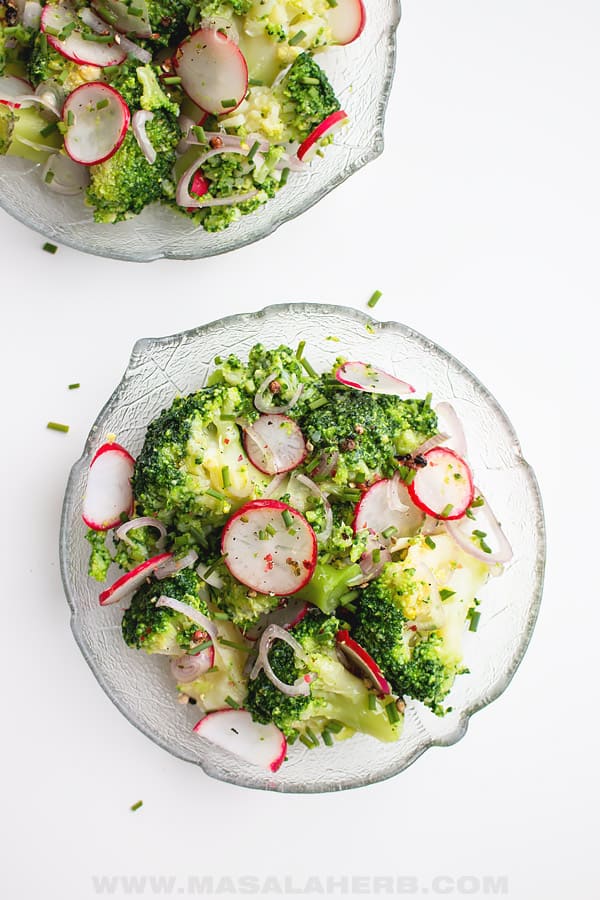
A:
[141,686]
[361,74]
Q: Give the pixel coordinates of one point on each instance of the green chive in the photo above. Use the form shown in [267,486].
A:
[107,14]
[231,702]
[67,31]
[374,299]
[172,79]
[376,555]
[225,476]
[253,151]
[284,177]
[70,118]
[389,532]
[203,646]
[191,16]
[300,350]
[49,177]
[233,645]
[212,567]
[485,547]
[392,713]
[428,398]
[474,620]
[56,426]
[53,32]
[287,518]
[212,669]
[48,130]
[228,104]
[136,11]
[318,403]
[312,465]
[226,417]
[109,71]
[270,530]
[293,737]
[312,736]
[478,501]
[215,494]
[43,44]
[74,386]
[299,36]
[200,135]
[347,598]
[410,476]
[307,366]
[306,742]
[446,510]
[50,248]
[327,739]
[221,617]
[335,726]
[479,534]
[98,38]
[262,535]
[255,82]
[136,806]
[430,542]
[102,104]
[372,702]
[309,80]
[446,593]
[332,3]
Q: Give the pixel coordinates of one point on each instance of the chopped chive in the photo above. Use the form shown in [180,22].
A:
[312,465]
[228,104]
[203,646]
[327,739]
[67,31]
[102,104]
[389,532]
[228,417]
[293,737]
[430,542]
[299,36]
[392,713]
[53,32]
[231,702]
[376,555]
[136,806]
[48,130]
[56,426]
[485,547]
[410,476]
[74,386]
[374,299]
[332,3]
[446,510]
[109,71]
[474,618]
[212,669]
[428,398]
[347,598]
[172,79]
[49,177]
[253,150]
[233,645]
[98,38]
[107,14]
[287,518]
[300,350]
[262,535]
[136,11]
[334,726]
[309,80]
[43,44]
[221,617]
[446,593]
[70,118]
[50,248]
[200,134]
[479,534]
[285,174]
[225,476]
[372,702]
[318,403]
[308,368]
[212,567]
[270,530]
[191,16]
[255,82]
[478,501]
[312,736]
[306,742]
[215,494]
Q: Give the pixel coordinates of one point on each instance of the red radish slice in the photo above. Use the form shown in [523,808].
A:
[95,134]
[309,148]
[359,657]
[13,89]
[108,493]
[347,20]
[280,563]
[485,523]
[444,488]
[188,668]
[131,581]
[123,20]
[213,70]
[363,377]
[274,444]
[57,17]
[235,731]
[450,424]
[381,507]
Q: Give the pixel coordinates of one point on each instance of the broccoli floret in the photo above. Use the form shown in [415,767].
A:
[19,126]
[47,64]
[328,585]
[366,431]
[337,698]
[100,558]
[307,97]
[243,606]
[248,377]
[159,629]
[14,44]
[141,545]
[178,475]
[126,183]
[167,17]
[226,680]
[224,8]
[140,88]
[428,676]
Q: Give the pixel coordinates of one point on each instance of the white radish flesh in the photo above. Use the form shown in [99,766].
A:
[347,20]
[131,581]
[278,563]
[382,507]
[274,444]
[444,487]
[63,176]
[108,492]
[13,90]
[363,377]
[309,148]
[58,17]
[213,71]
[97,119]
[123,20]
[235,731]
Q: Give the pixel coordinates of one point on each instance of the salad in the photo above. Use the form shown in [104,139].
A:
[307,550]
[207,106]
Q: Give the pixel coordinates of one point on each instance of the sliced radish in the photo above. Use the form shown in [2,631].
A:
[122,19]
[364,377]
[97,119]
[58,17]
[347,20]
[280,563]
[108,492]
[213,71]
[288,614]
[383,507]
[450,424]
[13,89]
[189,667]
[234,730]
[131,581]
[444,488]
[481,536]
[362,660]
[274,444]
[309,148]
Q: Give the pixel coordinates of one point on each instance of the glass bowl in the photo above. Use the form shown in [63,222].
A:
[361,74]
[141,686]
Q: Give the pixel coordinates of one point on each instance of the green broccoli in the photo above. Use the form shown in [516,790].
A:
[223,8]
[167,18]
[126,183]
[337,699]
[47,64]
[159,629]
[19,127]
[153,96]
[178,475]
[100,558]
[243,606]
[226,679]
[248,377]
[306,96]
[141,544]
[328,585]
[15,39]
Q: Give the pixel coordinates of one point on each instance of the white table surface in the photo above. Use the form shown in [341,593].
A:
[480,225]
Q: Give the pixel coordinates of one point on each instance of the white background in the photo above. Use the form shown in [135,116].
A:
[480,224]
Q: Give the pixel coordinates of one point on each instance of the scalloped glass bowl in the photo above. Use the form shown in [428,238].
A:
[141,686]
[362,76]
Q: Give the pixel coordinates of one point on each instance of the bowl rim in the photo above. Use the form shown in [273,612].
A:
[364,320]
[374,151]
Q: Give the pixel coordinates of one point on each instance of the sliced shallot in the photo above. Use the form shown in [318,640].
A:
[482,531]
[301,687]
[172,566]
[262,394]
[189,667]
[451,425]
[325,534]
[138,126]
[141,522]
[192,613]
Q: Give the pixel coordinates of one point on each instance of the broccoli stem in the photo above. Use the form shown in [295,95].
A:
[327,585]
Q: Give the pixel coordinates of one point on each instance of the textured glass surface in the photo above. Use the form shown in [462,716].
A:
[361,74]
[141,686]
